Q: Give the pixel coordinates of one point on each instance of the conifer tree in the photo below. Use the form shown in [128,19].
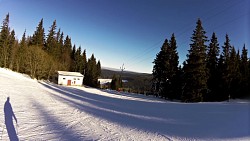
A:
[115,83]
[225,69]
[248,88]
[212,65]
[66,54]
[73,59]
[51,40]
[4,42]
[57,46]
[12,42]
[234,73]
[245,74]
[99,69]
[38,37]
[21,59]
[91,75]
[60,46]
[84,62]
[195,69]
[159,70]
[78,60]
[173,69]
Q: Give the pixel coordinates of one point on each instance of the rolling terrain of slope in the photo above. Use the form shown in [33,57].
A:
[47,111]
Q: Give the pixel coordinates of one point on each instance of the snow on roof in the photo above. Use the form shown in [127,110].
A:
[124,81]
[104,81]
[67,73]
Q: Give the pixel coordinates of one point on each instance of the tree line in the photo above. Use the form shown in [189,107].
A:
[42,56]
[206,75]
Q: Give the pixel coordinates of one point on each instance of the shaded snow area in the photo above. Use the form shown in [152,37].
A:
[46,111]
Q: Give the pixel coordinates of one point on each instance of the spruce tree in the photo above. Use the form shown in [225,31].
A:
[21,59]
[248,88]
[91,75]
[212,66]
[10,57]
[165,70]
[234,73]
[4,42]
[58,45]
[84,62]
[225,69]
[51,40]
[115,83]
[73,59]
[78,60]
[172,74]
[160,70]
[38,37]
[99,69]
[195,69]
[66,54]
[244,70]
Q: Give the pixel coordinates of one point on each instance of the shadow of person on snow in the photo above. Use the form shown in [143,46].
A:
[8,114]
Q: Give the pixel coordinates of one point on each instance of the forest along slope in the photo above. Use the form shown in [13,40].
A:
[47,111]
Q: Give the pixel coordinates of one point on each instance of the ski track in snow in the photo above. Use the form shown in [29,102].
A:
[46,111]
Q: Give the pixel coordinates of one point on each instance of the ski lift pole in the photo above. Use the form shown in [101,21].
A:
[122,69]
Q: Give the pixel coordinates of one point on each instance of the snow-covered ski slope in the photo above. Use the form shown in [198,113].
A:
[47,111]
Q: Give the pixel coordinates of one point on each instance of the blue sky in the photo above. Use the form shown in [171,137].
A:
[132,31]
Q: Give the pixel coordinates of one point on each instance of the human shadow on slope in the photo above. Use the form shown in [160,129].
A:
[184,120]
[9,115]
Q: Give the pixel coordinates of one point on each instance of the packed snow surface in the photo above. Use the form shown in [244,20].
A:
[47,111]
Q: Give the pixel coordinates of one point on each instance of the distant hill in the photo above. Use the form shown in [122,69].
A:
[138,82]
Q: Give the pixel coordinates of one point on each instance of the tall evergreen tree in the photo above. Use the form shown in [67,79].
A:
[226,49]
[115,83]
[99,69]
[38,37]
[159,70]
[21,59]
[78,60]
[60,46]
[195,70]
[84,62]
[66,54]
[4,41]
[212,65]
[57,46]
[91,75]
[73,59]
[248,88]
[225,69]
[12,42]
[172,70]
[51,40]
[234,73]
[245,74]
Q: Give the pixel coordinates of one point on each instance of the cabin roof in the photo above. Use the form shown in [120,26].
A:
[67,73]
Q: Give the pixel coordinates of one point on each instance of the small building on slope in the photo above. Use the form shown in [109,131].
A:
[105,83]
[70,78]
